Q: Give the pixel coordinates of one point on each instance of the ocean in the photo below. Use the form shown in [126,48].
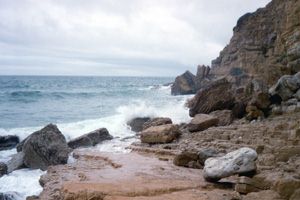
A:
[79,105]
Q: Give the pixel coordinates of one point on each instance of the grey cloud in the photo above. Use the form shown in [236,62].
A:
[113,37]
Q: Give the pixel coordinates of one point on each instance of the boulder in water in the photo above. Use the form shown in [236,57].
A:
[137,123]
[160,134]
[16,162]
[8,142]
[90,139]
[45,147]
[240,161]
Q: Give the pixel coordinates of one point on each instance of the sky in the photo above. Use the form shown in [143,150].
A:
[115,37]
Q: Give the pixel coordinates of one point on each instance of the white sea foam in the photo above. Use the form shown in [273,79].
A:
[21,183]
[25,181]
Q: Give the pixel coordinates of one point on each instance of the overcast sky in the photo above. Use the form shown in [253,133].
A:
[115,37]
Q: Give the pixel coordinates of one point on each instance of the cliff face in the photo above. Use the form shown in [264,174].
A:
[265,44]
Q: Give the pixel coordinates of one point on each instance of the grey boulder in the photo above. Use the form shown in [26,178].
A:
[90,139]
[45,147]
[240,161]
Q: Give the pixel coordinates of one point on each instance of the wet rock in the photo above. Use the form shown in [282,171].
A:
[160,134]
[90,139]
[225,117]
[187,159]
[137,123]
[45,147]
[237,162]
[8,142]
[16,162]
[32,198]
[201,122]
[3,169]
[157,122]
[184,84]
[9,196]
[217,96]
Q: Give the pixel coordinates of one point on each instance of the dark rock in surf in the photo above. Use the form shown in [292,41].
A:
[137,123]
[90,139]
[8,142]
[45,147]
[3,169]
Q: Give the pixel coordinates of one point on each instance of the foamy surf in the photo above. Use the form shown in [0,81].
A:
[116,124]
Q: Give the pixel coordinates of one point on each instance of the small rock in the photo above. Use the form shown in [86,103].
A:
[137,123]
[160,134]
[201,122]
[8,142]
[237,162]
[246,185]
[16,162]
[9,196]
[90,139]
[3,169]
[157,122]
[188,159]
[225,117]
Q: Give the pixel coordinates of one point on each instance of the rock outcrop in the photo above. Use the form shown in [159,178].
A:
[217,96]
[8,142]
[45,147]
[160,134]
[265,44]
[90,139]
[236,162]
[184,84]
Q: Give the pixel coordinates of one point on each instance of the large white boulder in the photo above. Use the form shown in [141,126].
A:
[236,162]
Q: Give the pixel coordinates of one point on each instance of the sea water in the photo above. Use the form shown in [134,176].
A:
[79,105]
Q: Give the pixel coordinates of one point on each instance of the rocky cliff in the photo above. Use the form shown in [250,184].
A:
[265,44]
